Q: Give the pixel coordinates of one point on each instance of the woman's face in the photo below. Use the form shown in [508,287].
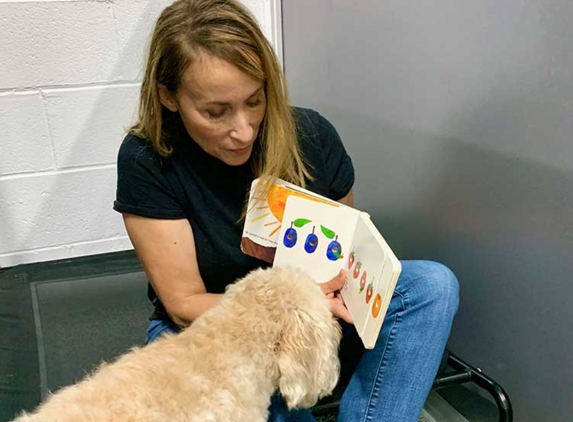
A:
[221,107]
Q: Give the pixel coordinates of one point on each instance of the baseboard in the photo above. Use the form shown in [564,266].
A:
[73,250]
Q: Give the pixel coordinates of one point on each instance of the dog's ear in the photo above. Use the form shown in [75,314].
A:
[307,356]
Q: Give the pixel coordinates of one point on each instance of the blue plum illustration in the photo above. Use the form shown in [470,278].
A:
[290,237]
[334,250]
[311,242]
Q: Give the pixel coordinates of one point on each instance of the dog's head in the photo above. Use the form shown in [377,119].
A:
[306,350]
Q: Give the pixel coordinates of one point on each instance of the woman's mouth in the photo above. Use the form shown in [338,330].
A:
[241,151]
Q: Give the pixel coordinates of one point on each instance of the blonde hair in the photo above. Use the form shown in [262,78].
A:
[227,30]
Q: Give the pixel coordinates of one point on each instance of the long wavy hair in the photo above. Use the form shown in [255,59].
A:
[227,30]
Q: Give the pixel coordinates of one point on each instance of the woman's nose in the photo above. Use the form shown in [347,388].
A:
[242,129]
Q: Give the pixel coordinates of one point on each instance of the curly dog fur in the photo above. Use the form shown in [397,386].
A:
[272,330]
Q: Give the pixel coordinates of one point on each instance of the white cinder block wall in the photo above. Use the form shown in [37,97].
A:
[69,81]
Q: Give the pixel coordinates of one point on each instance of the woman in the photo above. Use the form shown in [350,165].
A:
[213,116]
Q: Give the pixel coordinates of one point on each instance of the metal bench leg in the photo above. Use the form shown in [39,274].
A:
[467,373]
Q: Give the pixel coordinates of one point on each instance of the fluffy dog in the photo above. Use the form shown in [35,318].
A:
[272,330]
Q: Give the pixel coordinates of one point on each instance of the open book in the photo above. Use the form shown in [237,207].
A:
[293,226]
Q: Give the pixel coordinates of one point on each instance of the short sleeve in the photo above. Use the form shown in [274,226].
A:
[142,184]
[339,170]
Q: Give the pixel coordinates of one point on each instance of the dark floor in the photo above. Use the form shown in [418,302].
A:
[59,320]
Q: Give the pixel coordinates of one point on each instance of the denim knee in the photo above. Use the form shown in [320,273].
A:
[444,284]
[433,284]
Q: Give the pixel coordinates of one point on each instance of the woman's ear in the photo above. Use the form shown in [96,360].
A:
[167,98]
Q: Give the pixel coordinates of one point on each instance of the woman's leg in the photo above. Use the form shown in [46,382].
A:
[280,413]
[392,381]
[158,327]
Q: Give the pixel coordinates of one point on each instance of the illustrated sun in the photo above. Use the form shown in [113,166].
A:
[275,204]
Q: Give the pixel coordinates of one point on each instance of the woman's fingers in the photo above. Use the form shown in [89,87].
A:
[339,309]
[335,284]
[332,291]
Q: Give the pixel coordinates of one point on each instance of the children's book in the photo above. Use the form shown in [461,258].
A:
[292,226]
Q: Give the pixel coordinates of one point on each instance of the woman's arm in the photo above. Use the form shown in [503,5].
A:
[166,249]
[348,199]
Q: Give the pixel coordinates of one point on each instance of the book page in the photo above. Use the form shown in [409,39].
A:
[387,268]
[365,266]
[315,237]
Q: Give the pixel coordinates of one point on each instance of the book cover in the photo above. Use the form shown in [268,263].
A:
[298,228]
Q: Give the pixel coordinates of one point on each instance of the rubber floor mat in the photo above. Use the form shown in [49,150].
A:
[80,323]
[59,319]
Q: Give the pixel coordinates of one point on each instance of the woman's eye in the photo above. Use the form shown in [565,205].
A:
[255,103]
[215,114]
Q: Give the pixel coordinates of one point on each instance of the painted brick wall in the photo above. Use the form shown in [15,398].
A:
[69,81]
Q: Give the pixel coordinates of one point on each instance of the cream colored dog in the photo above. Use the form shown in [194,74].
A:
[272,330]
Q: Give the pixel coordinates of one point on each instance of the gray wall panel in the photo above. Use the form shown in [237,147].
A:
[459,118]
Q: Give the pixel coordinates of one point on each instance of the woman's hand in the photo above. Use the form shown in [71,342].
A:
[332,291]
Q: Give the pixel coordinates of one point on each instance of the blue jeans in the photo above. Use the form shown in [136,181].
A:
[391,382]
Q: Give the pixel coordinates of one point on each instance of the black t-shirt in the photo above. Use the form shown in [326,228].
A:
[194,185]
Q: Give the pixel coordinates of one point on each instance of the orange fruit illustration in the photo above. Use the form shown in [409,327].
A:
[376,305]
